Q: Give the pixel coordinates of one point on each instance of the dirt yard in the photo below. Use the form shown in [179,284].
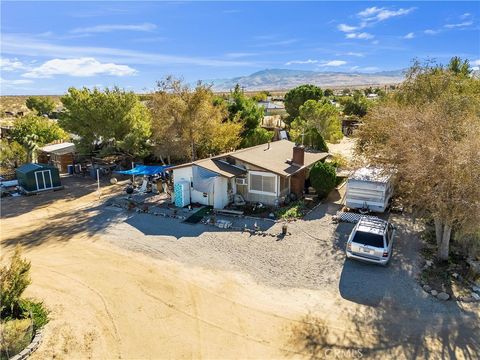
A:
[128,285]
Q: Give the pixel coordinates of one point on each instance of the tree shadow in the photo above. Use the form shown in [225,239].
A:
[389,315]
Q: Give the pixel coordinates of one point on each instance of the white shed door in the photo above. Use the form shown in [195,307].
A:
[44,179]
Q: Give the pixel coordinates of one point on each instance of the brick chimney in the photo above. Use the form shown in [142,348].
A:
[298,155]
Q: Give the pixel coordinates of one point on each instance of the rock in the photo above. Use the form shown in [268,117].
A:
[428,263]
[443,296]
[427,288]
[455,275]
[466,299]
[434,292]
[476,289]
[475,296]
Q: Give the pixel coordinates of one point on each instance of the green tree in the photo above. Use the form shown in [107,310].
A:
[244,110]
[42,105]
[32,131]
[323,178]
[297,97]
[256,137]
[428,132]
[356,105]
[459,66]
[113,119]
[12,154]
[328,92]
[308,136]
[322,116]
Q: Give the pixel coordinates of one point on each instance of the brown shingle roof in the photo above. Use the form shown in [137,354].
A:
[274,157]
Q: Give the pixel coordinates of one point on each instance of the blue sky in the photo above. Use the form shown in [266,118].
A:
[48,46]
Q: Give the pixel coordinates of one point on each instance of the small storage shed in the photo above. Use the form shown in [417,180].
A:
[33,178]
[59,155]
[369,189]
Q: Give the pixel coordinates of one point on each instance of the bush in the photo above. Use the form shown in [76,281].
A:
[323,178]
[296,210]
[16,335]
[257,136]
[13,282]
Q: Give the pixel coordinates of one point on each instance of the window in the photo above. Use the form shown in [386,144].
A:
[262,183]
[370,239]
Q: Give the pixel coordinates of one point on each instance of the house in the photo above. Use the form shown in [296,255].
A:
[33,178]
[59,155]
[264,173]
[271,108]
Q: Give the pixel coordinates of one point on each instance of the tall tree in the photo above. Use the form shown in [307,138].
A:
[356,105]
[428,133]
[42,105]
[297,97]
[189,123]
[245,110]
[111,120]
[459,66]
[321,116]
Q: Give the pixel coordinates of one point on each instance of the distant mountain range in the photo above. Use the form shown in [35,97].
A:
[284,79]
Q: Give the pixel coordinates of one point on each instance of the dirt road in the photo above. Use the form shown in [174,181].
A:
[144,297]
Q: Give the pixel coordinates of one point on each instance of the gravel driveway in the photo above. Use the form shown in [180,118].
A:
[386,300]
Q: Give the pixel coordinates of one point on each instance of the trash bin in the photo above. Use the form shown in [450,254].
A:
[70,169]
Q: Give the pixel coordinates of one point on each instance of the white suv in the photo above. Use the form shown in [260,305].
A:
[371,240]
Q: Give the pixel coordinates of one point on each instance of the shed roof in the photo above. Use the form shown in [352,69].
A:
[59,149]
[371,174]
[26,168]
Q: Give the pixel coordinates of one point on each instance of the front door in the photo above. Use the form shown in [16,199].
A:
[44,179]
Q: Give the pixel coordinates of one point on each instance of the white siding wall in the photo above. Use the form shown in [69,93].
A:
[219,197]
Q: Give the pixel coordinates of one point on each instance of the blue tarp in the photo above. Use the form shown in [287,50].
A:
[144,170]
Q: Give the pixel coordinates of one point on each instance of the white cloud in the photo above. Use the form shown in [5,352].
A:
[362,35]
[476,62]
[309,61]
[357,54]
[465,16]
[410,35]
[11,64]
[346,28]
[236,55]
[115,27]
[333,63]
[376,14]
[27,46]
[459,25]
[8,82]
[81,67]
[431,32]
[475,68]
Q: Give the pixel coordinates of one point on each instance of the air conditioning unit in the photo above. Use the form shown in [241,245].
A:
[241,181]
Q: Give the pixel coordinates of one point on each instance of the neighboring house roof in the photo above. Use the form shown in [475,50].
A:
[271,157]
[59,149]
[268,105]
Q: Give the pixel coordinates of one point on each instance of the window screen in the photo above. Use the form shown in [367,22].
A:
[262,183]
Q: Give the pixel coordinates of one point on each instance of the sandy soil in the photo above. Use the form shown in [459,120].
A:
[134,287]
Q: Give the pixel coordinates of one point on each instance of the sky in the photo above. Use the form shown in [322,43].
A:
[47,47]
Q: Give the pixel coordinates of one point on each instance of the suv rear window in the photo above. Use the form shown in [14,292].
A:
[370,239]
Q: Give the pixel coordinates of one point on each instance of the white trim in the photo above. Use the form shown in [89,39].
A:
[265,174]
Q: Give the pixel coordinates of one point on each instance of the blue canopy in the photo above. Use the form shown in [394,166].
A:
[144,170]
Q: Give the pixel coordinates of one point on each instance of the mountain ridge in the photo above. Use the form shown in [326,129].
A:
[284,79]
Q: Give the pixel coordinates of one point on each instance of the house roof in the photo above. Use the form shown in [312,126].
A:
[271,157]
[274,157]
[59,149]
[219,166]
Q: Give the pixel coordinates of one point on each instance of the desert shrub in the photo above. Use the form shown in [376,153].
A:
[36,310]
[295,210]
[323,178]
[338,160]
[16,335]
[14,279]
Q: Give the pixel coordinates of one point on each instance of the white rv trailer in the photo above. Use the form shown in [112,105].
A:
[369,189]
